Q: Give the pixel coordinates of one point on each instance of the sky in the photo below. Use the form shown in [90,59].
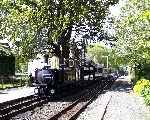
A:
[114,11]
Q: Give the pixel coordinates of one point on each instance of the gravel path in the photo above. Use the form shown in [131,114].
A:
[119,103]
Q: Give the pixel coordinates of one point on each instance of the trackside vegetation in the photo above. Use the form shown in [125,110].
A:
[142,87]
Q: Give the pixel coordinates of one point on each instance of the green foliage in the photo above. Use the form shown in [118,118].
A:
[146,93]
[143,70]
[38,22]
[142,87]
[5,51]
[133,32]
[99,54]
[4,86]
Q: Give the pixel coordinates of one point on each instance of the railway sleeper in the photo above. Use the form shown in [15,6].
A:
[23,109]
[18,105]
[7,103]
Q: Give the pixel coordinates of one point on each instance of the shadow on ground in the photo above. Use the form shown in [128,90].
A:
[121,85]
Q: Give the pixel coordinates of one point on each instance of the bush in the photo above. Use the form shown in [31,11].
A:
[146,94]
[142,87]
[147,99]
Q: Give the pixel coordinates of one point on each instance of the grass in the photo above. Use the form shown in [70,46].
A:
[17,83]
[8,85]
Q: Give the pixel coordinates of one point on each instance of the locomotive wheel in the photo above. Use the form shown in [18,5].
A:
[36,91]
[52,91]
[40,91]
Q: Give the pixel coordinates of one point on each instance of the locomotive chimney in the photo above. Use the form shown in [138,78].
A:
[46,58]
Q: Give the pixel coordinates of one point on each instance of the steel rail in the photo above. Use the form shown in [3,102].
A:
[20,105]
[78,105]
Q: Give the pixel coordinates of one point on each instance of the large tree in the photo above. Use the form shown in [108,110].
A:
[97,52]
[133,33]
[100,53]
[38,22]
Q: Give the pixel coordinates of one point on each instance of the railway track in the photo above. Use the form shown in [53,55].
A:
[73,110]
[14,107]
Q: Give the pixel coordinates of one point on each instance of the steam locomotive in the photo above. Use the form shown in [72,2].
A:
[48,79]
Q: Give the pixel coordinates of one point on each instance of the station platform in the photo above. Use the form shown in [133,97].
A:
[15,93]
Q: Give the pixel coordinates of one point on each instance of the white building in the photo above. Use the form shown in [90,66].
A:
[37,63]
